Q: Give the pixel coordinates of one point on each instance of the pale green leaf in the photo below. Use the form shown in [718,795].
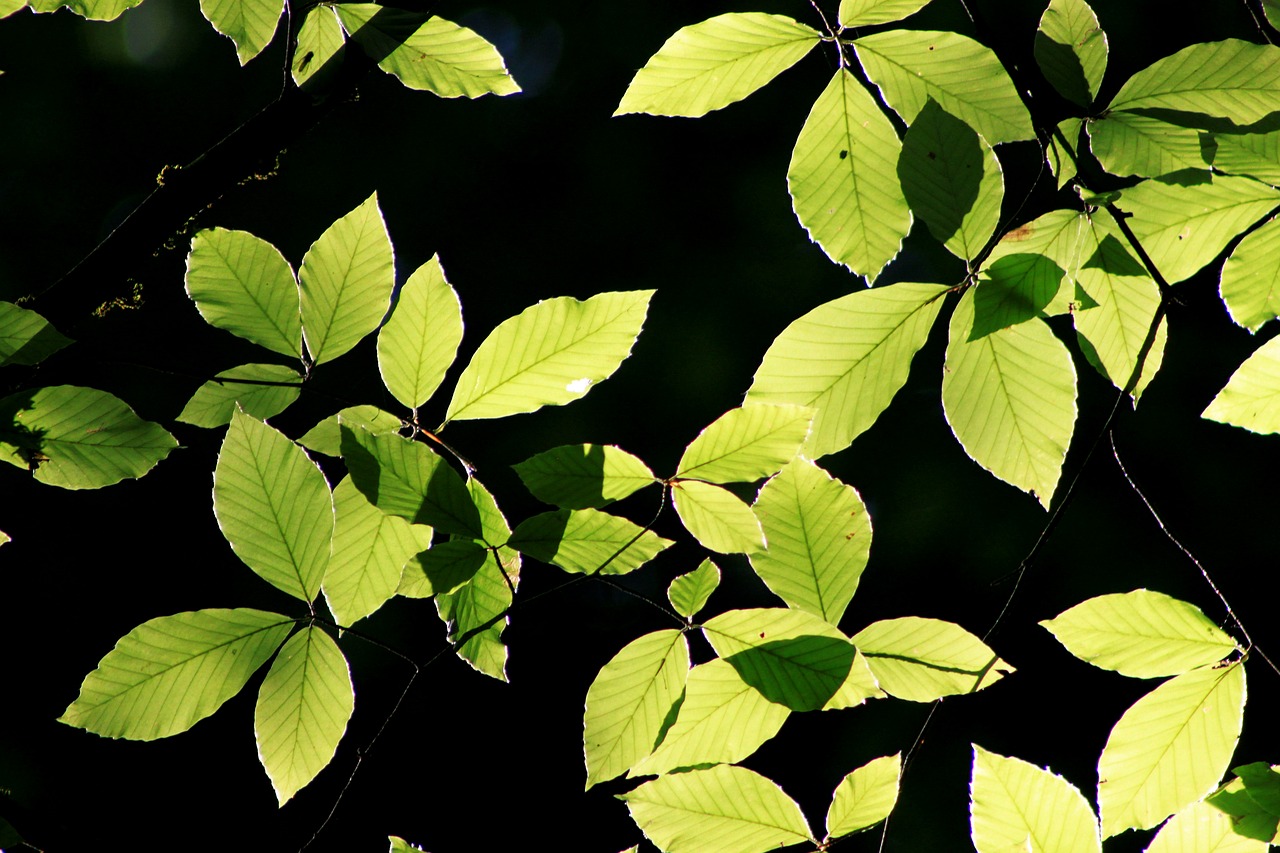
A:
[302,711]
[1250,284]
[419,342]
[216,400]
[1170,748]
[1251,398]
[1059,236]
[722,720]
[1251,802]
[846,359]
[443,569]
[1014,803]
[8,7]
[274,507]
[724,809]
[630,700]
[746,444]
[251,24]
[582,476]
[587,541]
[921,659]
[1141,634]
[26,337]
[326,436]
[5,538]
[346,280]
[169,673]
[688,593]
[1010,398]
[370,549]
[952,180]
[1135,144]
[243,285]
[864,797]
[1011,290]
[718,62]
[717,518]
[1063,148]
[79,438]
[964,77]
[549,354]
[863,13]
[792,657]
[1254,155]
[399,845]
[843,180]
[427,52]
[94,10]
[819,536]
[319,49]
[1231,79]
[1203,828]
[858,687]
[407,478]
[1071,50]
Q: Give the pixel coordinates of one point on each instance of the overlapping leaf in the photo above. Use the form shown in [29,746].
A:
[1071,50]
[326,436]
[864,797]
[1137,144]
[1015,805]
[1251,801]
[445,568]
[717,518]
[746,444]
[1231,79]
[587,541]
[1059,236]
[1255,155]
[1250,284]
[251,24]
[923,659]
[94,10]
[419,342]
[688,593]
[1062,151]
[26,337]
[1013,289]
[582,476]
[862,13]
[1251,398]
[1201,827]
[270,389]
[320,42]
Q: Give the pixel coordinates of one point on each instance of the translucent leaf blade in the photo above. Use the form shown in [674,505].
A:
[274,507]
[844,186]
[1062,152]
[725,809]
[1254,155]
[746,444]
[549,354]
[326,436]
[446,567]
[862,13]
[26,337]
[629,702]
[583,476]
[922,659]
[1250,284]
[320,42]
[847,359]
[1014,803]
[1135,144]
[1203,828]
[1071,50]
[1251,397]
[717,518]
[1230,79]
[216,400]
[1013,289]
[419,342]
[720,61]
[1249,801]
[169,673]
[864,797]
[587,541]
[251,24]
[688,593]
[346,280]
[302,712]
[1170,748]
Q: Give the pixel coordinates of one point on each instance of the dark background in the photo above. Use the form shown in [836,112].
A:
[524,198]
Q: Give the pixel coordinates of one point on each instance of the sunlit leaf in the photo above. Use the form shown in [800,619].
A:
[1014,803]
[722,60]
[399,845]
[26,337]
[1255,155]
[1011,290]
[1170,748]
[582,476]
[1063,150]
[251,24]
[846,359]
[169,673]
[1250,284]
[1059,236]
[443,569]
[94,10]
[1251,398]
[274,506]
[320,43]
[270,390]
[1262,783]
[1071,50]
[1136,144]
[1202,828]
[420,340]
[7,8]
[843,180]
[923,659]
[688,593]
[717,518]
[858,687]
[1242,801]
[326,436]
[864,797]
[5,538]
[746,444]
[1231,79]
[862,13]
[630,700]
[587,541]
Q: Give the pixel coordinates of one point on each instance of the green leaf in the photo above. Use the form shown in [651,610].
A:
[26,337]
[79,438]
[1135,144]
[964,77]
[717,518]
[216,400]
[549,354]
[7,8]
[370,549]
[5,538]
[1230,79]
[921,659]
[718,62]
[688,593]
[407,478]
[722,720]
[443,569]
[846,359]
[1170,748]
[843,182]
[952,180]
[1271,8]
[427,52]
[346,280]
[630,700]
[858,687]
[863,13]
[1251,398]
[169,673]
[792,657]
[399,845]
[326,436]
[1059,236]
[864,797]
[1250,284]
[251,24]
[1015,805]
[1011,290]
[583,476]
[274,506]
[1254,155]
[587,541]
[746,444]
[1071,50]
[1241,800]
[320,43]
[819,536]
[419,342]
[1062,155]
[243,285]
[1010,398]
[94,10]
[725,809]
[1202,828]
[302,711]
[1262,784]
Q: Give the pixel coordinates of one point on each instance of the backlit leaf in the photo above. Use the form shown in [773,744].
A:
[1136,144]
[320,42]
[1251,278]
[1059,236]
[1063,150]
[582,476]
[1014,803]
[26,337]
[251,24]
[862,13]
[688,593]
[420,340]
[94,10]
[717,518]
[1203,828]
[1251,398]
[443,569]
[326,436]
[1071,50]
[587,541]
[746,444]
[923,659]
[1242,802]
[1255,155]
[216,400]
[1231,79]
[864,797]
[1011,290]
